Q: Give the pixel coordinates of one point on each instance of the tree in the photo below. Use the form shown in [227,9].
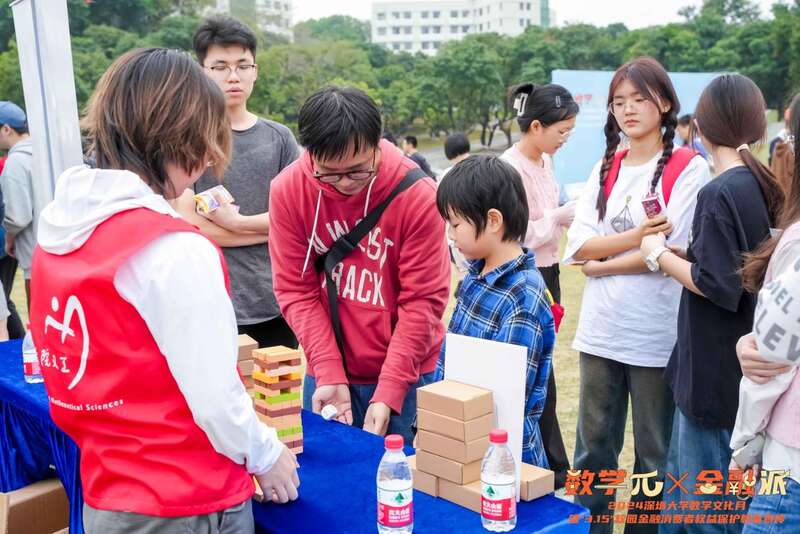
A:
[334,28]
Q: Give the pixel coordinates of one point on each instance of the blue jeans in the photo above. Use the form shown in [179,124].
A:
[788,505]
[693,448]
[360,395]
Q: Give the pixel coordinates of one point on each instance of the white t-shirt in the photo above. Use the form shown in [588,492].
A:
[632,319]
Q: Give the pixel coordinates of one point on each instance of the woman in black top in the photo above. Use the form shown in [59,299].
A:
[734,214]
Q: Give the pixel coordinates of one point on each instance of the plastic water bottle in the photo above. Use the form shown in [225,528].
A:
[30,360]
[395,504]
[498,485]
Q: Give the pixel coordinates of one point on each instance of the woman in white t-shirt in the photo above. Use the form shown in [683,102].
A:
[546,116]
[627,326]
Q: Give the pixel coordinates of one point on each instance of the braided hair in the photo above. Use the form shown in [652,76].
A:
[651,81]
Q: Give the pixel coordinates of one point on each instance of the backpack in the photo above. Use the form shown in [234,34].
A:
[672,170]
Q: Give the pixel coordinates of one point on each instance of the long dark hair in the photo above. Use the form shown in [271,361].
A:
[730,113]
[755,266]
[653,83]
[547,104]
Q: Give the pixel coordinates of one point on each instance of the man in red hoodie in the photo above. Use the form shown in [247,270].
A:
[393,287]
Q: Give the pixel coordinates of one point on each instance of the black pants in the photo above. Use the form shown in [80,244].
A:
[271,333]
[8,270]
[548,422]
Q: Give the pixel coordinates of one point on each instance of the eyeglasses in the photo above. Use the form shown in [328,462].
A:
[356,176]
[618,107]
[242,71]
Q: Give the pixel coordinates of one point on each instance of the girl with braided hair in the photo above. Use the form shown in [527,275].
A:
[627,325]
[733,217]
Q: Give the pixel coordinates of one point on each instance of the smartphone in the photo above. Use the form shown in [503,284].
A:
[651,205]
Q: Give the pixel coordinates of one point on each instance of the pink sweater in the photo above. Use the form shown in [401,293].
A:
[544,231]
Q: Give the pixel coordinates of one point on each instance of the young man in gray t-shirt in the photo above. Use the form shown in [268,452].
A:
[261,149]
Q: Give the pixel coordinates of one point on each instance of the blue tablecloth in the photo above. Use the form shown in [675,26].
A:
[337,493]
[29,441]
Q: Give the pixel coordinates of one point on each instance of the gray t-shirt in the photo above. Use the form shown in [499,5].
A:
[259,154]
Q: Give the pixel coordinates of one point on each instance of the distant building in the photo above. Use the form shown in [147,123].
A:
[423,26]
[270,15]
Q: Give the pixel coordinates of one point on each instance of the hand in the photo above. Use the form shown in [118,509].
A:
[336,394]
[657,224]
[226,215]
[376,420]
[733,466]
[754,366]
[11,248]
[593,269]
[280,483]
[651,242]
[565,214]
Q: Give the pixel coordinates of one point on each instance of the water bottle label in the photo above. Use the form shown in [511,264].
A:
[498,502]
[31,368]
[395,507]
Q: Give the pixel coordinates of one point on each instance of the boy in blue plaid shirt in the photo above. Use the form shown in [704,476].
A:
[503,297]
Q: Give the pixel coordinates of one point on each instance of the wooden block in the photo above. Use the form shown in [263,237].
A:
[248,382]
[286,421]
[273,397]
[294,443]
[292,433]
[281,384]
[468,496]
[535,482]
[276,354]
[456,400]
[281,371]
[265,367]
[454,428]
[462,452]
[246,347]
[448,469]
[424,482]
[269,411]
[297,450]
[246,367]
[261,401]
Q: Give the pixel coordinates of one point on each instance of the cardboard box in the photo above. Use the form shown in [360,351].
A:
[468,496]
[424,482]
[454,428]
[40,508]
[448,469]
[460,451]
[246,367]
[456,400]
[246,347]
[535,482]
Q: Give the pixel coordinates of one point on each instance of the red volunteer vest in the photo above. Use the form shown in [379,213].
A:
[110,388]
[676,164]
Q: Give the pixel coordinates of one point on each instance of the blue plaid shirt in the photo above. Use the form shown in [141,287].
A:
[510,305]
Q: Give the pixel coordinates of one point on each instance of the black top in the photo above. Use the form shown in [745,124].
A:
[420,160]
[731,218]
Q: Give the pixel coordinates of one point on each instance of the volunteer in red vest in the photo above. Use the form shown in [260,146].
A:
[392,288]
[131,315]
[628,318]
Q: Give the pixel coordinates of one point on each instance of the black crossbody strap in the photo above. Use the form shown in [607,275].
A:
[345,245]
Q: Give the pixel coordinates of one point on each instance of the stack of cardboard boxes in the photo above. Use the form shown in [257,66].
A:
[277,378]
[453,425]
[246,347]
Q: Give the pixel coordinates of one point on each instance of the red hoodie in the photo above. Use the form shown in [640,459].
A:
[393,288]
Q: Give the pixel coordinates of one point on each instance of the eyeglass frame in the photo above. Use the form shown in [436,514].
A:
[634,104]
[322,176]
[219,69]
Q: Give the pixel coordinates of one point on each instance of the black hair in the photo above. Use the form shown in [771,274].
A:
[456,145]
[480,183]
[339,121]
[411,140]
[21,130]
[547,104]
[685,120]
[389,136]
[222,31]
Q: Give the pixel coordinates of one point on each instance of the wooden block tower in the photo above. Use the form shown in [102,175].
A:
[278,378]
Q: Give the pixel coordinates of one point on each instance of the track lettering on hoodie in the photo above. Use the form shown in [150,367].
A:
[358,278]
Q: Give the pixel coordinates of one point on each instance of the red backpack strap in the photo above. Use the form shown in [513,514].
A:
[613,172]
[674,168]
